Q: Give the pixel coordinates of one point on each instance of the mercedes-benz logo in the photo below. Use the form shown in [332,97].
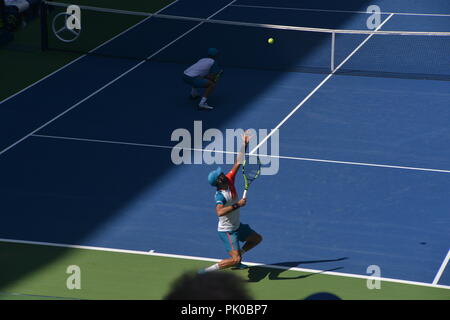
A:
[59,29]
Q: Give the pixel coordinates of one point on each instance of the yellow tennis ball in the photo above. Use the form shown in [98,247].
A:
[270,40]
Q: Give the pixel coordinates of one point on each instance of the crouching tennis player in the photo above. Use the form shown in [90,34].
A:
[231,230]
[203,74]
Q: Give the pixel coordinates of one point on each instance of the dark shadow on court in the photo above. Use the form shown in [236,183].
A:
[275,271]
[84,191]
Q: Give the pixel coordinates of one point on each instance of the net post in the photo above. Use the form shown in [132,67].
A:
[333,40]
[43,14]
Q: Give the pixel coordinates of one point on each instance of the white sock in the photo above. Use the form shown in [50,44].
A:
[214,267]
[203,101]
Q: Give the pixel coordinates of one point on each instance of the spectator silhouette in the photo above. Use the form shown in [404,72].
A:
[218,285]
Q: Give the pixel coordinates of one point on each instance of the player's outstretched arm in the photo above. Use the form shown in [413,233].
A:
[240,158]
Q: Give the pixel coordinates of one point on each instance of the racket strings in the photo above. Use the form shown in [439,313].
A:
[253,174]
[252,171]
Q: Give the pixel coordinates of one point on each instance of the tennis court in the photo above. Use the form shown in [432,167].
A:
[85,153]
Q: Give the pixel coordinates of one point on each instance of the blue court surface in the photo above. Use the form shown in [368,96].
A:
[364,171]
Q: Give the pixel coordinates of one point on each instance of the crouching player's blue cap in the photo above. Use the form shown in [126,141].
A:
[213,52]
[213,175]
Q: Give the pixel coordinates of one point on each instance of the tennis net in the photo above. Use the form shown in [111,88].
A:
[177,39]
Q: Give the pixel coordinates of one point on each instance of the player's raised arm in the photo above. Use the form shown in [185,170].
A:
[240,158]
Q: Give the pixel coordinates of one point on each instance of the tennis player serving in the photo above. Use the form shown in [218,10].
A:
[203,74]
[231,230]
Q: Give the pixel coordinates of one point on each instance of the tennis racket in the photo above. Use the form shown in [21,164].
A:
[251,169]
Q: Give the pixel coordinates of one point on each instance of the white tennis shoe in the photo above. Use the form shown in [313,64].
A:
[204,106]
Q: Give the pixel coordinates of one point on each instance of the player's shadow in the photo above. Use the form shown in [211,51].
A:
[274,271]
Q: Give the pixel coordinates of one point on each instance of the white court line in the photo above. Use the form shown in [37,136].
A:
[363,164]
[236,153]
[318,87]
[111,82]
[83,56]
[17,294]
[124,143]
[442,268]
[341,11]
[331,273]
